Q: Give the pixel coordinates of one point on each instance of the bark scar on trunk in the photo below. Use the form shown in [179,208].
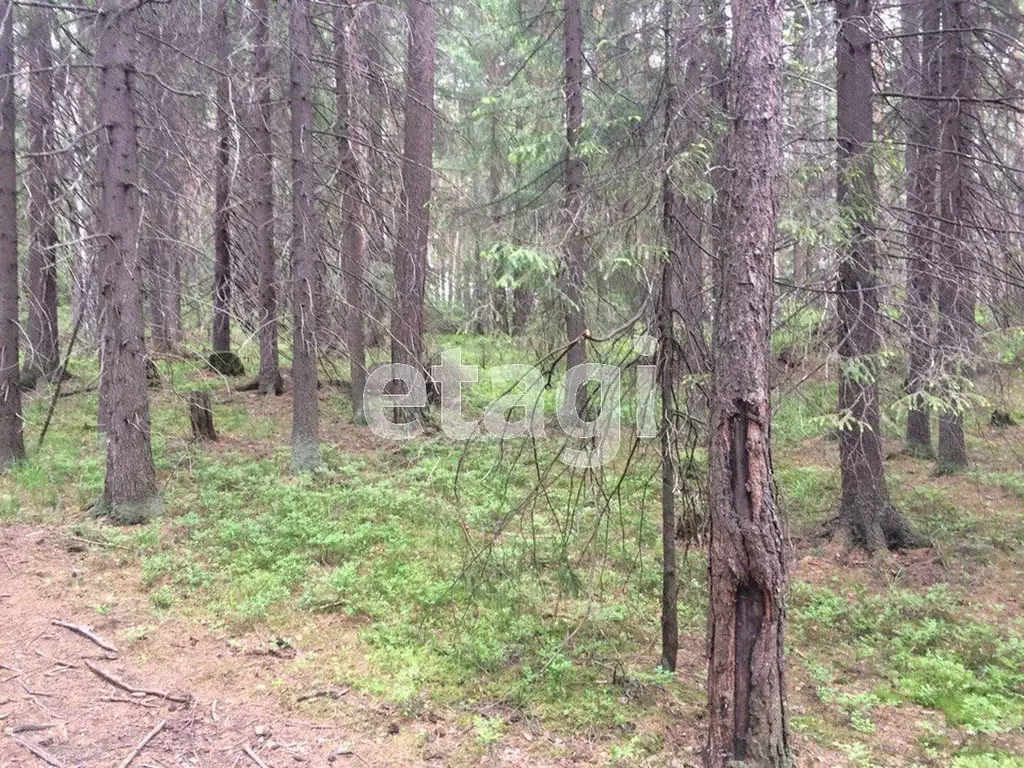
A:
[750,601]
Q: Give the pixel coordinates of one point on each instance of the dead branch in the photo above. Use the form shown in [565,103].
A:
[253,756]
[39,752]
[142,744]
[118,683]
[86,633]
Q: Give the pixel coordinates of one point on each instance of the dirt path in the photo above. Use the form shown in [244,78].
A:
[51,700]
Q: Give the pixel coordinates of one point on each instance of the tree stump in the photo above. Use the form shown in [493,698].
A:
[200,413]
[227,364]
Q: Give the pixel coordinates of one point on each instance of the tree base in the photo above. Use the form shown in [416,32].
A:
[227,364]
[1002,419]
[152,374]
[880,526]
[129,512]
[305,456]
[919,450]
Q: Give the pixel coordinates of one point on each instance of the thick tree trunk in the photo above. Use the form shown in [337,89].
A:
[305,408]
[12,444]
[922,67]
[270,376]
[222,192]
[746,681]
[866,515]
[955,269]
[129,492]
[407,318]
[43,352]
[574,266]
[349,78]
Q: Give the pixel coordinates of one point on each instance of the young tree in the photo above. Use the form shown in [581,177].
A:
[12,444]
[222,359]
[867,517]
[263,172]
[129,491]
[955,281]
[407,317]
[305,408]
[349,80]
[43,352]
[573,268]
[746,681]
[922,22]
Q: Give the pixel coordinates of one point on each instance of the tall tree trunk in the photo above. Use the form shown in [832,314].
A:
[955,280]
[866,515]
[574,268]
[305,408]
[682,219]
[407,319]
[12,444]
[922,66]
[43,350]
[129,491]
[349,81]
[270,376]
[222,191]
[746,681]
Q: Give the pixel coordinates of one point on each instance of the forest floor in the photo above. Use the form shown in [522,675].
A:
[382,613]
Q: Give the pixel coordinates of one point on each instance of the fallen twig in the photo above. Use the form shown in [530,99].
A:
[122,700]
[118,683]
[87,634]
[28,727]
[96,543]
[39,752]
[253,756]
[142,744]
[329,693]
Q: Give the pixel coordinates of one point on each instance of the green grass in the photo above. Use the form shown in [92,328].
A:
[464,586]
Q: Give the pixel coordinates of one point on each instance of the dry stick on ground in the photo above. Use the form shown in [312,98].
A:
[39,752]
[118,683]
[142,744]
[87,634]
[253,756]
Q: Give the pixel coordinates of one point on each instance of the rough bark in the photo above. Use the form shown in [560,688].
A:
[221,341]
[746,681]
[955,282]
[263,172]
[43,351]
[305,408]
[12,444]
[407,318]
[682,216]
[572,205]
[129,492]
[922,66]
[866,515]
[349,81]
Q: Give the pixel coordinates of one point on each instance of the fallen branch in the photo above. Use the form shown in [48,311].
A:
[86,634]
[39,752]
[118,683]
[253,756]
[142,744]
